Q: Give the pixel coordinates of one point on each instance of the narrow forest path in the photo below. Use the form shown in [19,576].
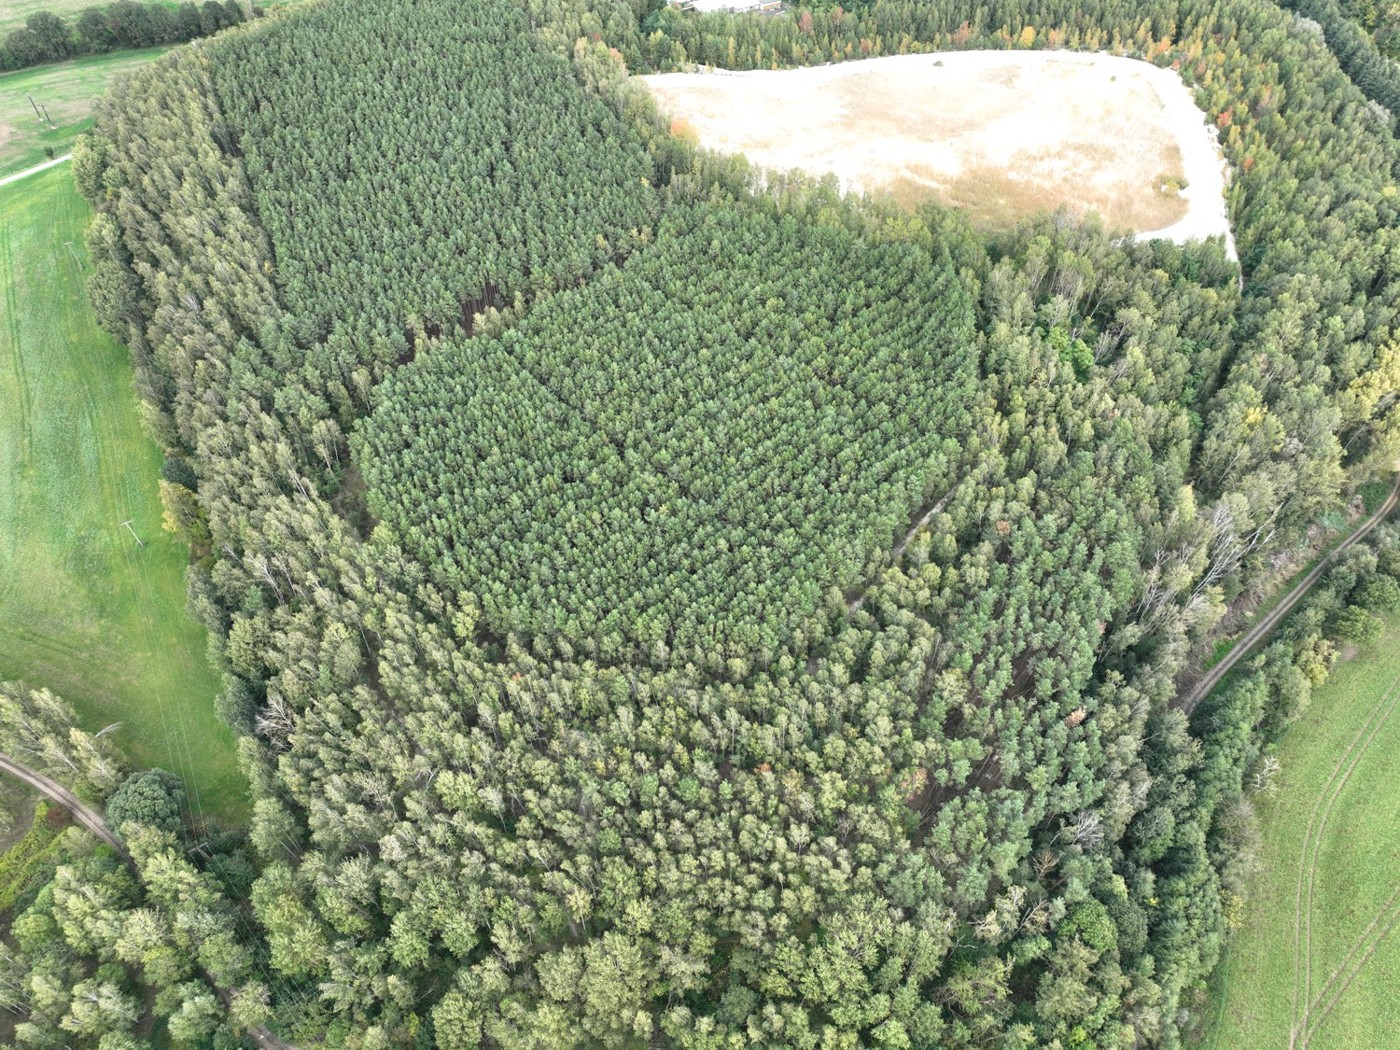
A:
[899,548]
[1260,630]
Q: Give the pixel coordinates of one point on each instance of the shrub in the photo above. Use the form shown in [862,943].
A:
[153,797]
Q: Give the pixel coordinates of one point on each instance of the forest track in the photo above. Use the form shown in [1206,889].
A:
[93,821]
[1346,764]
[1260,630]
[88,817]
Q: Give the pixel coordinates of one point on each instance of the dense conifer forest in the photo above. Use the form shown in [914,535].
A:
[681,459]
[667,605]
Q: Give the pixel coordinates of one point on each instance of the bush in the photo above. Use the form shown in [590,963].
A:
[1355,624]
[153,797]
[1381,594]
[30,861]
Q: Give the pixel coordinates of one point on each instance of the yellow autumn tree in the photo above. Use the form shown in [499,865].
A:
[1372,403]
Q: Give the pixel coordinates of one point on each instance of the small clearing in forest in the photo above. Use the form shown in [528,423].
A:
[1001,134]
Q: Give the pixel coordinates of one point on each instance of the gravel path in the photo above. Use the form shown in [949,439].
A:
[1203,165]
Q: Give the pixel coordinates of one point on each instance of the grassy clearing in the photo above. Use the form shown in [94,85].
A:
[68,90]
[1319,950]
[83,610]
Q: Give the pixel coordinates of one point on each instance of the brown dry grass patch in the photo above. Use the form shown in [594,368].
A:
[1000,134]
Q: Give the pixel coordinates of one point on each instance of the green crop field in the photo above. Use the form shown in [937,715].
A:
[68,91]
[83,610]
[1319,944]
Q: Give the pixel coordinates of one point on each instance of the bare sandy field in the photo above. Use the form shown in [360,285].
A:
[1001,134]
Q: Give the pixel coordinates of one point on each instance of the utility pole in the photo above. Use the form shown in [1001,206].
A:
[52,125]
[37,114]
[139,541]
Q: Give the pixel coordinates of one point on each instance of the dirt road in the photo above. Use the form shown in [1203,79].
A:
[36,169]
[88,818]
[1261,629]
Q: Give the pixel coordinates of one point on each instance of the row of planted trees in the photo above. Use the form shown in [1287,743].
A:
[682,459]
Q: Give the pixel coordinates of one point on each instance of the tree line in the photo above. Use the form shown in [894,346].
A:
[102,949]
[47,37]
[1375,71]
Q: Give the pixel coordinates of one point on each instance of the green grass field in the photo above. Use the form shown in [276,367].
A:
[14,12]
[68,90]
[1317,962]
[83,610]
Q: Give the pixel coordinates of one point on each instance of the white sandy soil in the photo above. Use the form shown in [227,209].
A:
[1002,133]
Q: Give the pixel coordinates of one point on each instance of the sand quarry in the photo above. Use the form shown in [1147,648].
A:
[1001,134]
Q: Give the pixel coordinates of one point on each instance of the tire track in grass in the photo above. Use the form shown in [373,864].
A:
[1375,721]
[1392,696]
[95,423]
[20,429]
[116,501]
[117,508]
[1386,918]
[12,312]
[53,645]
[112,497]
[1307,865]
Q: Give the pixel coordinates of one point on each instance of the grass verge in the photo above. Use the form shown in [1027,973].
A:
[84,611]
[1317,958]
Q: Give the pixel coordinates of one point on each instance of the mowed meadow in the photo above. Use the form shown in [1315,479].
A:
[84,610]
[1317,958]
